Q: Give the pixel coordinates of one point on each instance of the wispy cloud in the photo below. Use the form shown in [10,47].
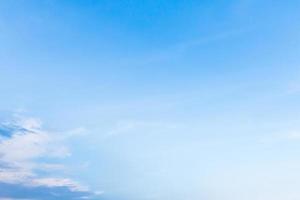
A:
[287,136]
[132,126]
[23,142]
[180,48]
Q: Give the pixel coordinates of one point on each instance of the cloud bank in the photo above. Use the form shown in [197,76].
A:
[23,145]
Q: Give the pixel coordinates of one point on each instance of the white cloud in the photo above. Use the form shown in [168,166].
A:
[29,123]
[24,147]
[21,149]
[59,182]
[15,176]
[30,143]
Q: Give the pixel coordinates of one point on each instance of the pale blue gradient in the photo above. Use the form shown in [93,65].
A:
[181,99]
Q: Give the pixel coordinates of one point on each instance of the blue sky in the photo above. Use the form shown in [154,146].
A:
[149,100]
